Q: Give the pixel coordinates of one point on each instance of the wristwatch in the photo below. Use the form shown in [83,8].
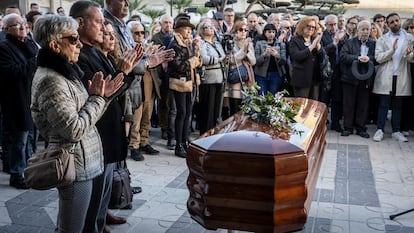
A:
[146,64]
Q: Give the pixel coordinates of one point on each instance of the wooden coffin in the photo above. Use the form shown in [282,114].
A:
[242,177]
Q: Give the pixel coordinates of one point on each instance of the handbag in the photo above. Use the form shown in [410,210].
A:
[50,168]
[238,74]
[121,194]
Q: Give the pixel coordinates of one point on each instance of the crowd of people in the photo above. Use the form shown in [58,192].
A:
[96,82]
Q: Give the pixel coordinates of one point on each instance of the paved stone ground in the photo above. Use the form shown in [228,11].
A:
[360,184]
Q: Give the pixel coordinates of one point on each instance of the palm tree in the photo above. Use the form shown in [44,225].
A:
[179,4]
[153,14]
[136,5]
[202,10]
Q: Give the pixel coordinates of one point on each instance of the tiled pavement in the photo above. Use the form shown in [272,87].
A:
[360,184]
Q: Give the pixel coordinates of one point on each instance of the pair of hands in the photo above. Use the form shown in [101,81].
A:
[247,44]
[316,43]
[105,87]
[273,51]
[129,59]
[409,50]
[339,35]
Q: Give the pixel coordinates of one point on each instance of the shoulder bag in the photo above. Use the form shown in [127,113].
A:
[50,168]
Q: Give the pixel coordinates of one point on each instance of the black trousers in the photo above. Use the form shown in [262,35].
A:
[184,107]
[356,106]
[210,98]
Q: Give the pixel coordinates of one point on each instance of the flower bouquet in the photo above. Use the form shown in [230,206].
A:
[274,110]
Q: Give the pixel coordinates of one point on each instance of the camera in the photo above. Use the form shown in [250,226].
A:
[227,43]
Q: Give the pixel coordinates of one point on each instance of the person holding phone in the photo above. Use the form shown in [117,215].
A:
[306,53]
[270,59]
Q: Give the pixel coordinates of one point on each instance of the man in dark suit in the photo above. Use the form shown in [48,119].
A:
[111,126]
[332,41]
[17,65]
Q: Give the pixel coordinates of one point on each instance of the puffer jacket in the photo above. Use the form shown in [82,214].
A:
[65,114]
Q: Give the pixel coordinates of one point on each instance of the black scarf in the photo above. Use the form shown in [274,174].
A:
[59,63]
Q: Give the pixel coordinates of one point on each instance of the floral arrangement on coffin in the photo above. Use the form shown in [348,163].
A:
[273,110]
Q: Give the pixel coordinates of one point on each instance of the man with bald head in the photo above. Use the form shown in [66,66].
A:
[17,65]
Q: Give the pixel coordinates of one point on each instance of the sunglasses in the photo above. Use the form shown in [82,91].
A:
[242,30]
[261,23]
[411,27]
[73,39]
[310,27]
[139,33]
[18,25]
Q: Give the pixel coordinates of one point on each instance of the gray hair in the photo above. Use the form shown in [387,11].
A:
[330,17]
[132,23]
[8,18]
[364,22]
[51,27]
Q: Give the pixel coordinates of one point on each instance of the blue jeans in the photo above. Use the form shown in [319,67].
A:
[271,83]
[19,150]
[396,106]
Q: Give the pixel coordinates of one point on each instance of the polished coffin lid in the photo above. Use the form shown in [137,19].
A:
[244,177]
[247,142]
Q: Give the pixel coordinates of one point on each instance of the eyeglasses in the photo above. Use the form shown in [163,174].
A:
[311,27]
[18,25]
[228,15]
[411,27]
[137,33]
[331,24]
[288,28]
[242,30]
[73,39]
[208,26]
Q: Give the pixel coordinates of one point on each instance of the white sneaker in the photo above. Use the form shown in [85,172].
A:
[378,136]
[405,133]
[399,137]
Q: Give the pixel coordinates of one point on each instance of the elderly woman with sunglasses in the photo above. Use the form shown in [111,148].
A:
[243,50]
[306,53]
[65,112]
[211,86]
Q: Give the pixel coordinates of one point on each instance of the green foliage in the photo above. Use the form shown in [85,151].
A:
[100,2]
[202,10]
[136,5]
[179,4]
[153,14]
[273,110]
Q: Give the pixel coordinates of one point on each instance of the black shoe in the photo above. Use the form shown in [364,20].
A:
[170,144]
[136,190]
[337,128]
[136,155]
[149,150]
[6,168]
[346,133]
[180,151]
[363,134]
[18,183]
[164,134]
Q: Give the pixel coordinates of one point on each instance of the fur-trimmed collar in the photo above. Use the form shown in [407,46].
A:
[180,40]
[57,62]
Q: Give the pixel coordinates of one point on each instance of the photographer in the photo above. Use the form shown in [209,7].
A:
[243,51]
[210,96]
